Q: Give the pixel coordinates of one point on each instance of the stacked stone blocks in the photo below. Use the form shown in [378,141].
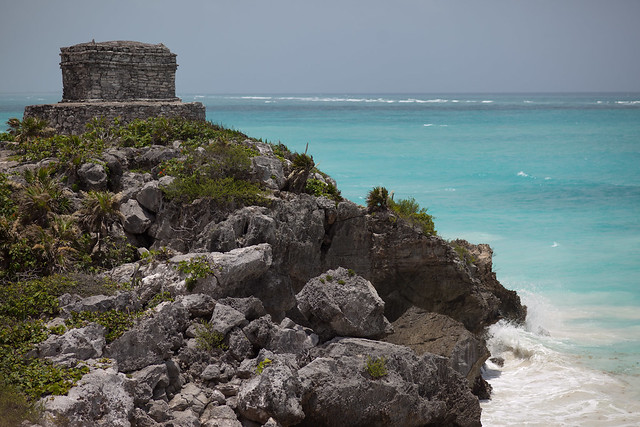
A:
[117,79]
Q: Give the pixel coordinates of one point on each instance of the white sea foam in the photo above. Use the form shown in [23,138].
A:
[523,173]
[427,124]
[543,382]
[555,245]
[628,102]
[487,101]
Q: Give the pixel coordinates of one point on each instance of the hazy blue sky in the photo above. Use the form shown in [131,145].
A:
[293,46]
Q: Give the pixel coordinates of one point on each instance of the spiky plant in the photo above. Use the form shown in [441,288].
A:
[100,210]
[29,128]
[378,199]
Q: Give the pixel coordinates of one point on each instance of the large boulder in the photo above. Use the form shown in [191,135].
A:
[416,390]
[340,303]
[80,344]
[136,219]
[101,398]
[92,176]
[150,196]
[426,332]
[152,340]
[275,393]
[269,171]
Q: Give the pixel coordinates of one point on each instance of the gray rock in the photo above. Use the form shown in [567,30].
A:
[269,171]
[139,418]
[240,347]
[159,411]
[151,381]
[416,390]
[136,219]
[198,305]
[151,341]
[186,418]
[426,332]
[154,155]
[219,416]
[101,398]
[190,397]
[132,182]
[250,307]
[275,393]
[225,318]
[150,196]
[92,176]
[80,344]
[338,303]
[100,303]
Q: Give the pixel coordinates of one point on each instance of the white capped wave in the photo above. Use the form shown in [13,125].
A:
[628,102]
[487,101]
[258,98]
[427,124]
[523,173]
[555,245]
[542,382]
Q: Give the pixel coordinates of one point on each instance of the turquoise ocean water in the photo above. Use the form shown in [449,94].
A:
[552,182]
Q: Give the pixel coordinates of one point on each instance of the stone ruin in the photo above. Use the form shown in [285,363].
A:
[115,79]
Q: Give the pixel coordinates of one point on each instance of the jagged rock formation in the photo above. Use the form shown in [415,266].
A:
[299,293]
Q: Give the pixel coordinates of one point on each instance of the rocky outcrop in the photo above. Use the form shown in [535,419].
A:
[270,314]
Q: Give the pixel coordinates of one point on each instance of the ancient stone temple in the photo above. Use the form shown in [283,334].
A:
[123,79]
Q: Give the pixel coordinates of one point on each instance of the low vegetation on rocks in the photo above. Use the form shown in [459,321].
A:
[181,273]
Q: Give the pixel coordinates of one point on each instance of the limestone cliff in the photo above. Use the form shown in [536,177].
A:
[291,299]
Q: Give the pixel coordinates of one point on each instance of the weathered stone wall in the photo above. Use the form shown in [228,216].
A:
[123,79]
[71,118]
[117,71]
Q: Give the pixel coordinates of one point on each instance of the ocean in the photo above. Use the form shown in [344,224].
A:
[550,181]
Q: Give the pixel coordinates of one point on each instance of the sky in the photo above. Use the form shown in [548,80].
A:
[346,46]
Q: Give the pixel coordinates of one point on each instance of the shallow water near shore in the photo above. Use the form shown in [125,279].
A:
[551,182]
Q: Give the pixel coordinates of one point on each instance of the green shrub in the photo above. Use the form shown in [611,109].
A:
[263,365]
[15,407]
[116,322]
[409,210]
[226,192]
[303,162]
[195,268]
[158,298]
[208,338]
[319,188]
[376,367]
